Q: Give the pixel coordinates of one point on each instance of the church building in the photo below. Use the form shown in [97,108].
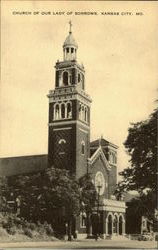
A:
[69,145]
[69,140]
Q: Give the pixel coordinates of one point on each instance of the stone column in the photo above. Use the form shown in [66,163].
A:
[59,111]
[66,114]
[106,226]
[54,114]
[123,227]
[103,225]
[112,225]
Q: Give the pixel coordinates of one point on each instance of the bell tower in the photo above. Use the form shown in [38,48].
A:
[69,113]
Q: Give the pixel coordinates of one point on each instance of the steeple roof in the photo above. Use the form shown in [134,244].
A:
[70,40]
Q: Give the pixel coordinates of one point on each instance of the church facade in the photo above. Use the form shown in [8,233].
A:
[69,145]
[69,142]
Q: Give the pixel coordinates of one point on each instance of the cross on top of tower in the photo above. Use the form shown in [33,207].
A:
[70,23]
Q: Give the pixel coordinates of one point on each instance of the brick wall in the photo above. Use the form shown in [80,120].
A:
[22,164]
[62,155]
[112,179]
[82,135]
[99,166]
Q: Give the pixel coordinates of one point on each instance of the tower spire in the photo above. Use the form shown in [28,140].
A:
[70,23]
[70,46]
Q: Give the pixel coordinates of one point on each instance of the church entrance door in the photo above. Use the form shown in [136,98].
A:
[110,224]
[120,225]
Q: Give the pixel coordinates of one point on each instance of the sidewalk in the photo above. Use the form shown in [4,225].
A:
[82,244]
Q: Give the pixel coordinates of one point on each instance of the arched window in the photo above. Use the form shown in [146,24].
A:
[65,78]
[115,160]
[79,77]
[82,147]
[62,110]
[57,112]
[72,50]
[83,220]
[83,85]
[82,113]
[62,141]
[62,146]
[80,117]
[70,79]
[112,158]
[85,114]
[69,110]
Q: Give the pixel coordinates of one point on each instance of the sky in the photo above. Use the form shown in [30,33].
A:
[119,53]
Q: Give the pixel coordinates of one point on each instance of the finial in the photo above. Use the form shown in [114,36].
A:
[100,139]
[70,31]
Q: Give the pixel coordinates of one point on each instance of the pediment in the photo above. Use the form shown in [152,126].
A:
[99,154]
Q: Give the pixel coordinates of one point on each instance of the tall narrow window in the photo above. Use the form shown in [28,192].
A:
[85,114]
[65,78]
[69,111]
[79,77]
[72,50]
[57,112]
[62,110]
[82,147]
[80,111]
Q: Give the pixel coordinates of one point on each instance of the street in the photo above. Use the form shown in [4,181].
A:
[82,244]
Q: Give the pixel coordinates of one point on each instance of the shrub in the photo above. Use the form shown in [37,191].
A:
[49,229]
[3,232]
[12,230]
[28,232]
[30,225]
[11,224]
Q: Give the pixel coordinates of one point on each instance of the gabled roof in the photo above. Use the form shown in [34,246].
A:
[99,153]
[101,142]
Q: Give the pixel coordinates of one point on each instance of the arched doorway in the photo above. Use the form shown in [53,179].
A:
[95,219]
[120,225]
[110,224]
[115,231]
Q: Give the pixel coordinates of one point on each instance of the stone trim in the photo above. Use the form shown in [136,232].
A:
[83,130]
[53,124]
[56,129]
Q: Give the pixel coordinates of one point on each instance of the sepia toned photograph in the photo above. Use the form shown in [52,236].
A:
[78,127]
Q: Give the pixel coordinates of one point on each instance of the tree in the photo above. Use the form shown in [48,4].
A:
[61,191]
[88,197]
[3,190]
[141,146]
[138,207]
[141,175]
[53,195]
